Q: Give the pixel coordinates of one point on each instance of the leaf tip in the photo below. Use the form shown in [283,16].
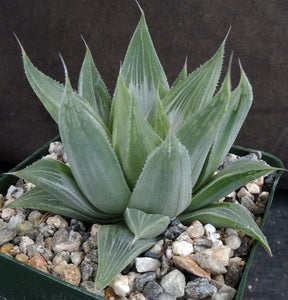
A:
[140,8]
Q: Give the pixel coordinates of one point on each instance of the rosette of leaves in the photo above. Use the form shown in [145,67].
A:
[145,157]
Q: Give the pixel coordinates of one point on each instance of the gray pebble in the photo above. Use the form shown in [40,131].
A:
[88,270]
[33,233]
[24,227]
[3,225]
[142,279]
[152,290]
[6,236]
[200,288]
[173,232]
[174,283]
[92,256]
[47,230]
[233,275]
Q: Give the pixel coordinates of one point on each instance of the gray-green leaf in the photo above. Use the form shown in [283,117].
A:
[93,161]
[195,91]
[142,71]
[164,185]
[241,100]
[43,200]
[198,132]
[231,178]
[145,225]
[92,88]
[117,247]
[227,215]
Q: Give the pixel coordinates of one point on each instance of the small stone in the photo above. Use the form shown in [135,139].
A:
[174,231]
[211,233]
[6,236]
[230,231]
[92,242]
[229,159]
[264,197]
[259,181]
[209,263]
[131,280]
[69,273]
[165,296]
[64,241]
[226,291]
[74,236]
[94,230]
[152,290]
[221,254]
[90,286]
[60,257]
[174,283]
[14,251]
[166,265]
[77,257]
[243,250]
[47,230]
[244,193]
[6,248]
[253,188]
[48,243]
[137,296]
[196,230]
[233,275]
[92,256]
[220,279]
[7,213]
[15,220]
[187,263]
[182,248]
[57,221]
[251,206]
[39,263]
[200,288]
[146,264]
[169,252]
[77,225]
[270,178]
[202,241]
[23,227]
[3,225]
[34,217]
[46,253]
[14,192]
[233,241]
[34,235]
[120,285]
[157,248]
[142,279]
[88,270]
[22,257]
[25,241]
[56,148]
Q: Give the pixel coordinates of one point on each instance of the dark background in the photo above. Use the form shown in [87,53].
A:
[179,28]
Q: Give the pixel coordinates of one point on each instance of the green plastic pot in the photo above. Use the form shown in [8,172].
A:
[20,281]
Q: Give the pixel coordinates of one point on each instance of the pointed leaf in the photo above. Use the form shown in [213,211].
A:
[231,178]
[227,215]
[43,200]
[136,140]
[160,121]
[145,225]
[92,88]
[117,247]
[164,185]
[93,162]
[49,91]
[241,100]
[195,91]
[182,75]
[120,109]
[198,132]
[56,178]
[142,70]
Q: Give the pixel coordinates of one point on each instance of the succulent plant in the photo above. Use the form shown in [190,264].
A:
[147,156]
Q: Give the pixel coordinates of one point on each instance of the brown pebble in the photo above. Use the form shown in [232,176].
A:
[39,263]
[188,264]
[6,248]
[109,293]
[22,257]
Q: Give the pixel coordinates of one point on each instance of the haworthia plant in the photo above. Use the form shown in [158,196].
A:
[145,158]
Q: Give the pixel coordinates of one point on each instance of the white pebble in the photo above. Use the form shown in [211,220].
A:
[146,264]
[195,230]
[14,192]
[24,243]
[169,252]
[209,228]
[157,248]
[182,248]
[120,285]
[57,221]
[230,231]
[233,241]
[253,188]
[244,193]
